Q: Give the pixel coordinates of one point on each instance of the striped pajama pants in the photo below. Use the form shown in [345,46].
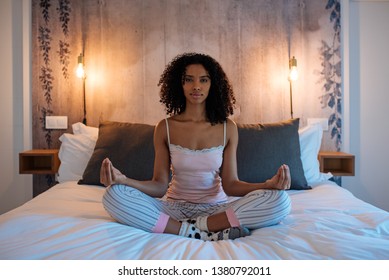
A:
[129,206]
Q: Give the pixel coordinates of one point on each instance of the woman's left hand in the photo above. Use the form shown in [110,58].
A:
[282,180]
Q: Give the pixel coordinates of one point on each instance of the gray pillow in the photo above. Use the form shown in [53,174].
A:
[263,148]
[130,148]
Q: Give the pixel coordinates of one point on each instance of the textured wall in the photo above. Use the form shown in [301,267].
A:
[128,43]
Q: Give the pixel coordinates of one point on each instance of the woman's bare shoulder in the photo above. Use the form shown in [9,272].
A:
[160,128]
[232,130]
[161,122]
[231,125]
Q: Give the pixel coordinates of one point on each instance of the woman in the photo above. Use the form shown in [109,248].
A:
[198,143]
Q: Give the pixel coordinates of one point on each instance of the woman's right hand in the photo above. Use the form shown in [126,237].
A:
[109,175]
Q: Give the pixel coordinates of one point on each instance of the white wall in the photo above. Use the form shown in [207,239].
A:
[15,108]
[367,99]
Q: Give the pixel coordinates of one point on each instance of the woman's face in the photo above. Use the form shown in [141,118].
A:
[196,84]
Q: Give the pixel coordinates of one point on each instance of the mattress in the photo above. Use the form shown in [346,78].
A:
[68,222]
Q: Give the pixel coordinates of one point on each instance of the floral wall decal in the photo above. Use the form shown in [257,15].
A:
[46,76]
[330,53]
[64,9]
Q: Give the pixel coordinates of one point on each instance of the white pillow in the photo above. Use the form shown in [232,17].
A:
[80,128]
[74,153]
[310,142]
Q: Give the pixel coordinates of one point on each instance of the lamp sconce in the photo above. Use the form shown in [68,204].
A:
[293,75]
[80,72]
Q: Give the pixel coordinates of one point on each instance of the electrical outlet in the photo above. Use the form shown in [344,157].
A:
[322,121]
[56,122]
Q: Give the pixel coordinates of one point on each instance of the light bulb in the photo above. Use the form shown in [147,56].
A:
[293,73]
[80,72]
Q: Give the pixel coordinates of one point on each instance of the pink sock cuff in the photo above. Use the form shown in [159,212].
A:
[161,223]
[232,219]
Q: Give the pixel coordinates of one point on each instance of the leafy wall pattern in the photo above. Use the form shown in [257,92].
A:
[331,75]
[45,39]
[64,10]
[46,76]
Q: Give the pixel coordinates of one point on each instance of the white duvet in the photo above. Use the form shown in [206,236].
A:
[69,222]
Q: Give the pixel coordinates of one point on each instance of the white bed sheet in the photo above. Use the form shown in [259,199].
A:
[69,222]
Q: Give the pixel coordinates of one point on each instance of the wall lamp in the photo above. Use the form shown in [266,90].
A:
[293,75]
[80,72]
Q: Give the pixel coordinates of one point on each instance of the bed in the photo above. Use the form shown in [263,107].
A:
[69,222]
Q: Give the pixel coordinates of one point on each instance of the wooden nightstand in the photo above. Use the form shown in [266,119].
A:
[39,161]
[338,163]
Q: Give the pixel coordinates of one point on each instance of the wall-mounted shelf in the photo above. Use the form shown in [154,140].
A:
[39,161]
[338,163]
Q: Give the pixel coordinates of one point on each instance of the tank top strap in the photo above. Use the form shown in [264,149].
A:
[167,131]
[225,134]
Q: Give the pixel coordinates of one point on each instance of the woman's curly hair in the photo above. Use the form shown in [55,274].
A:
[220,101]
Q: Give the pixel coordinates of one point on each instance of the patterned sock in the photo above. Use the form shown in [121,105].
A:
[234,232]
[189,229]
